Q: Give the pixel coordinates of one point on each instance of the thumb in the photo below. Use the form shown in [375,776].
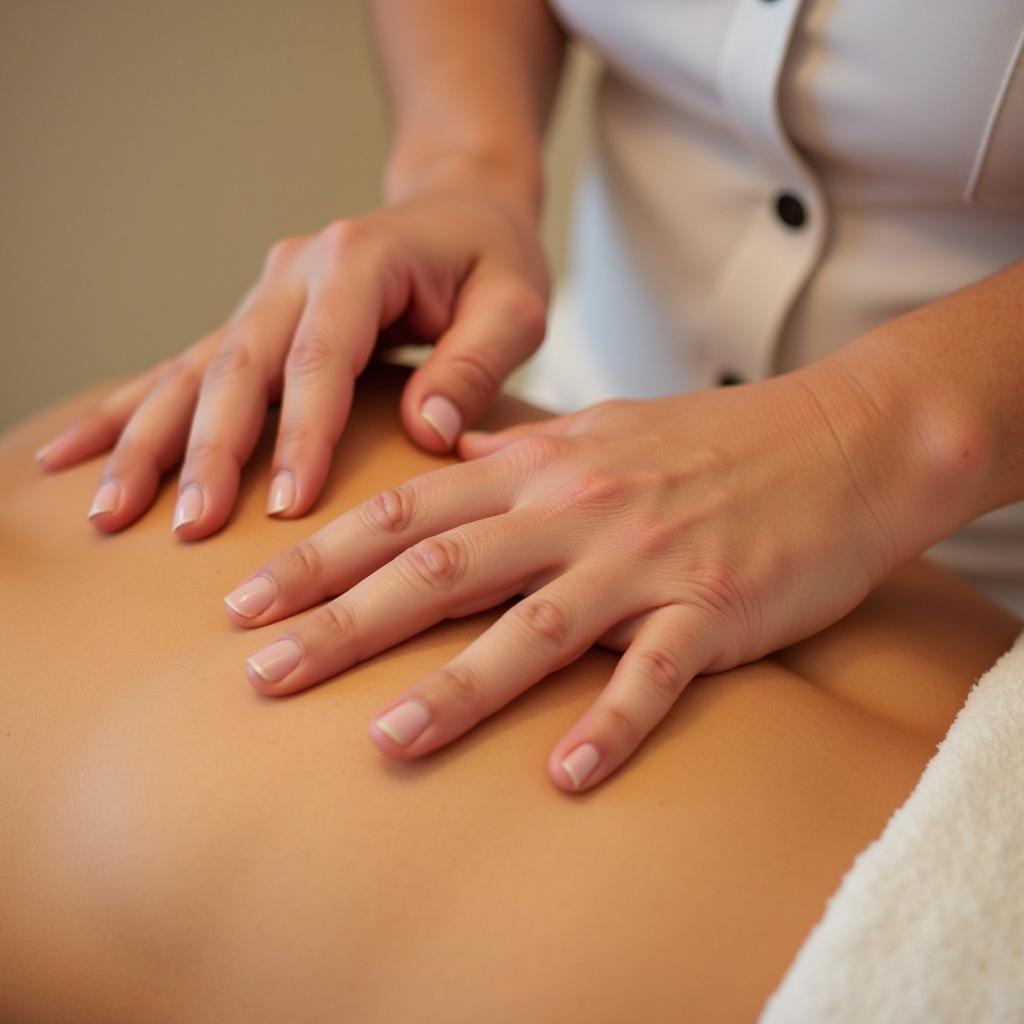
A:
[475,444]
[499,322]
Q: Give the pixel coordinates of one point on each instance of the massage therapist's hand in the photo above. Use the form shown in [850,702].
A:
[459,268]
[695,533]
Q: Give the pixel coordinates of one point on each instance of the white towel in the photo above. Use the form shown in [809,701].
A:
[928,923]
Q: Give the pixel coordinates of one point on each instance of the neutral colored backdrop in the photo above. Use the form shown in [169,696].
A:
[152,152]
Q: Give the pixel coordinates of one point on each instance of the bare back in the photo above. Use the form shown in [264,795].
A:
[178,848]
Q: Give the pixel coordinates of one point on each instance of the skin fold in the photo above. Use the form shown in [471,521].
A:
[179,847]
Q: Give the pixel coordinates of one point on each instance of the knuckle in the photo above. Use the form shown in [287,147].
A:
[179,372]
[280,254]
[106,410]
[464,684]
[595,488]
[138,453]
[304,560]
[341,237]
[129,451]
[335,624]
[538,451]
[524,309]
[469,367]
[232,358]
[104,421]
[296,435]
[391,510]
[205,450]
[297,439]
[659,673]
[714,587]
[653,535]
[624,725]
[314,350]
[544,619]
[439,562]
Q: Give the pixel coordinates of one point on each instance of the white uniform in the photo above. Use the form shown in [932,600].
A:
[773,178]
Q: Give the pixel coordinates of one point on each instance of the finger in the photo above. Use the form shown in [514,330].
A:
[425,584]
[671,646]
[621,635]
[499,323]
[150,444]
[535,637]
[369,535]
[332,344]
[231,409]
[98,430]
[245,302]
[477,444]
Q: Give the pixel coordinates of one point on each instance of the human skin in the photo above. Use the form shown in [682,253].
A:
[178,848]
[694,533]
[453,258]
[889,444]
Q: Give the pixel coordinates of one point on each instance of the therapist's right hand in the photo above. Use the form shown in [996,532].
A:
[458,269]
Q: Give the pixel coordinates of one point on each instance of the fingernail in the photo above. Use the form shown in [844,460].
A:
[282,493]
[580,763]
[189,507]
[405,722]
[253,596]
[51,447]
[443,416]
[273,663]
[107,498]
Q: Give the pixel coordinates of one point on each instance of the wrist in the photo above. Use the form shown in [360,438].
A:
[512,178]
[922,458]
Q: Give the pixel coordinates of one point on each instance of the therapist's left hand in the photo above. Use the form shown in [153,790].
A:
[695,533]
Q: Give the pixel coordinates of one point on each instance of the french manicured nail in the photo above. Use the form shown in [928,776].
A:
[51,447]
[274,662]
[107,498]
[189,507]
[443,416]
[405,722]
[252,597]
[580,763]
[282,493]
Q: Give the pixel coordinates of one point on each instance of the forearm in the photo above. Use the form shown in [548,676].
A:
[943,389]
[471,86]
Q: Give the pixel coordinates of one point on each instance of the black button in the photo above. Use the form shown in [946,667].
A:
[727,378]
[790,209]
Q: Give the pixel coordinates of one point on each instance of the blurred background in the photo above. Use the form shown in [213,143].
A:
[151,154]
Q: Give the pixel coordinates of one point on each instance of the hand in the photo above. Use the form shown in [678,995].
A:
[695,533]
[455,268]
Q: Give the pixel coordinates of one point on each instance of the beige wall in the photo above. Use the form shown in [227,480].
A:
[150,154]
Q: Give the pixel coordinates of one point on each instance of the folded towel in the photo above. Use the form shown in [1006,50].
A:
[928,923]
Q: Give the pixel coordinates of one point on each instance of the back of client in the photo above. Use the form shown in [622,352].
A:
[178,848]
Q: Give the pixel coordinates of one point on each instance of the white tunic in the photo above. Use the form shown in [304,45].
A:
[773,178]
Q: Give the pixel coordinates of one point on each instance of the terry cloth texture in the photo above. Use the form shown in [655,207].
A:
[928,923]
